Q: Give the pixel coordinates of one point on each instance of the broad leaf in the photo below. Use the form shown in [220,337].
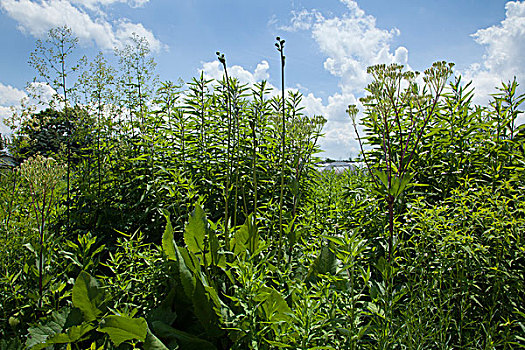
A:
[39,334]
[153,343]
[186,276]
[124,328]
[195,230]
[246,238]
[204,308]
[53,330]
[186,340]
[273,304]
[167,240]
[326,262]
[72,335]
[88,296]
[174,253]
[213,256]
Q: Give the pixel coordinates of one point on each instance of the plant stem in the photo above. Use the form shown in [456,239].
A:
[280,48]
[222,59]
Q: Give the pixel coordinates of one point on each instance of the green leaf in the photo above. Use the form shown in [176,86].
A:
[124,328]
[239,240]
[39,334]
[246,238]
[203,306]
[326,262]
[273,305]
[186,340]
[399,185]
[186,276]
[334,239]
[53,330]
[168,245]
[73,334]
[277,344]
[382,177]
[195,230]
[153,343]
[214,248]
[88,296]
[173,252]
[164,311]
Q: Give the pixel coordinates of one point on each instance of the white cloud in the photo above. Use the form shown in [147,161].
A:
[214,70]
[261,71]
[5,112]
[36,94]
[125,29]
[10,95]
[95,4]
[351,43]
[88,21]
[505,50]
[40,93]
[339,139]
[301,20]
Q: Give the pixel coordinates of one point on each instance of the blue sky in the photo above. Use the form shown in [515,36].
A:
[329,43]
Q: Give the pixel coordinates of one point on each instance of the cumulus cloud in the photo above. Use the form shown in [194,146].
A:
[36,94]
[339,139]
[86,19]
[125,29]
[213,70]
[505,49]
[95,4]
[302,20]
[9,96]
[351,42]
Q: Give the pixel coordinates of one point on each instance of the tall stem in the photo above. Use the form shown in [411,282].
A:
[98,141]
[222,59]
[68,122]
[237,164]
[280,48]
[390,201]
[254,165]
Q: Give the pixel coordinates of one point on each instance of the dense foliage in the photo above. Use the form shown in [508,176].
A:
[192,216]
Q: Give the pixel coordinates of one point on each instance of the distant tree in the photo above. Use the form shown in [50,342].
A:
[47,134]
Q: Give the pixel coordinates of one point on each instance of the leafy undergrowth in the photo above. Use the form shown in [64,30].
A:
[202,222]
[458,278]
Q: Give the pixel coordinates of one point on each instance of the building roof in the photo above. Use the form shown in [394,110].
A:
[6,161]
[338,166]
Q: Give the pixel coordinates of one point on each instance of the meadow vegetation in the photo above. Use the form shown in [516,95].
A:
[162,215]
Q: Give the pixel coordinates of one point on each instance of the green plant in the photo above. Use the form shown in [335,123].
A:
[280,47]
[89,321]
[52,61]
[463,256]
[43,176]
[397,119]
[222,59]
